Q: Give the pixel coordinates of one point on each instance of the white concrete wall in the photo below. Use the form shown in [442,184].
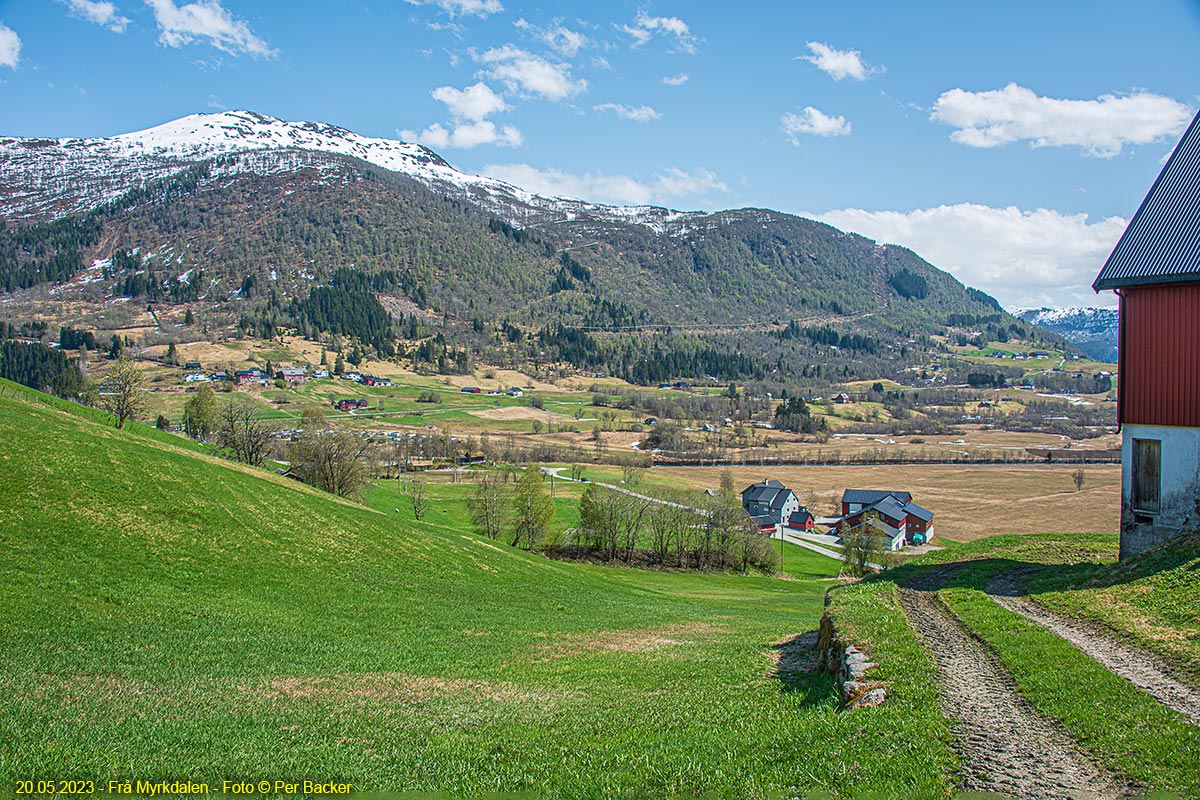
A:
[1179,495]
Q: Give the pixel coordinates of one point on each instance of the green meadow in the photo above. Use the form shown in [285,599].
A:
[169,615]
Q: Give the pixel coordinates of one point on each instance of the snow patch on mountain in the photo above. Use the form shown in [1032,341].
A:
[1092,330]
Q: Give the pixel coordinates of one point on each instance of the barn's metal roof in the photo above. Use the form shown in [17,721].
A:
[1162,242]
[869,496]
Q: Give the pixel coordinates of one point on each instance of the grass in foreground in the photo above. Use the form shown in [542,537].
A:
[172,616]
[1128,732]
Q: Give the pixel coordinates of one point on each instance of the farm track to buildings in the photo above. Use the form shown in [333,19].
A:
[1005,745]
[1136,666]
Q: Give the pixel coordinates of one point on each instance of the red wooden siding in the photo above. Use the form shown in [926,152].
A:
[1160,355]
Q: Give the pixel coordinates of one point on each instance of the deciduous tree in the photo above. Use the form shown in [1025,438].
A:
[533,510]
[418,496]
[200,414]
[490,506]
[122,391]
[243,435]
[331,460]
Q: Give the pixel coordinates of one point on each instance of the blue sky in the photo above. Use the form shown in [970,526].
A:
[1004,141]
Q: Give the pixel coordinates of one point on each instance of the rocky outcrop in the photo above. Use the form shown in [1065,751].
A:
[849,666]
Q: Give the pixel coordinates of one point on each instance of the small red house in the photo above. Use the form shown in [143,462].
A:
[801,520]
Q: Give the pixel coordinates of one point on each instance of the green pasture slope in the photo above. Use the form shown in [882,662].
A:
[1127,731]
[168,615]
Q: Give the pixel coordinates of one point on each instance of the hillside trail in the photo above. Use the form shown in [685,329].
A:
[1005,745]
[1140,668]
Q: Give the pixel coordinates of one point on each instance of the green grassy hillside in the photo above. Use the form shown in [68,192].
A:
[168,615]
[1131,735]
[1153,599]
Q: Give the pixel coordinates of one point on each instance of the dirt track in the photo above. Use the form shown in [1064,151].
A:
[1136,666]
[1004,744]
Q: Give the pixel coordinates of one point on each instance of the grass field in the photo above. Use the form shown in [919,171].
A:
[171,616]
[1130,734]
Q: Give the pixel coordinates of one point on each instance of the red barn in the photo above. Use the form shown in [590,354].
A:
[1155,271]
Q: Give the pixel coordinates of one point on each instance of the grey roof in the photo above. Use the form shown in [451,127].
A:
[869,496]
[803,515]
[923,514]
[1162,243]
[765,520]
[764,492]
[766,498]
[890,507]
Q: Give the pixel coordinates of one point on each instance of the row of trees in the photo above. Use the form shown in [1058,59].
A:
[521,513]
[632,528]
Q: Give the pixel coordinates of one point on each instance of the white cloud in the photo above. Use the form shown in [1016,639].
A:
[634,113]
[101,13]
[557,37]
[206,20]
[1100,127]
[813,121]
[10,47]
[645,27]
[525,72]
[837,64]
[598,187]
[675,80]
[473,103]
[1023,258]
[464,8]
[465,135]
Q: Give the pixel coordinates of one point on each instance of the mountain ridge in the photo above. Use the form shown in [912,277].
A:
[248,218]
[1093,330]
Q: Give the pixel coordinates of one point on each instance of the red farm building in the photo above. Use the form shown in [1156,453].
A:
[1155,271]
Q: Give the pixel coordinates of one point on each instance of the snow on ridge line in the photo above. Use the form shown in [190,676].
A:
[202,136]
[1048,314]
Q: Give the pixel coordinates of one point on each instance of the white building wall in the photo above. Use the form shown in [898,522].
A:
[1179,493]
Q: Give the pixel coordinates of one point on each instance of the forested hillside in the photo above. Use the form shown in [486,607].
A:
[332,245]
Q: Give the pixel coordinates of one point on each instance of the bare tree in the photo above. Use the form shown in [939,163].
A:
[862,548]
[533,510]
[490,506]
[331,460]
[418,496]
[122,392]
[1078,477]
[725,526]
[242,434]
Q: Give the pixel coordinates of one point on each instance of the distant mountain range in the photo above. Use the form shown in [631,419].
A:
[249,214]
[1092,330]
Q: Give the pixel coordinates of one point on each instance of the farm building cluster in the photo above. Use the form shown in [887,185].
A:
[891,515]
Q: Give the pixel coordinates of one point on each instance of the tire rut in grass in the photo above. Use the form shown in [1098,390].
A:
[1140,668]
[1005,745]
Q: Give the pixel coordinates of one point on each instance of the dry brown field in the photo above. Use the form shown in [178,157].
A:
[969,501]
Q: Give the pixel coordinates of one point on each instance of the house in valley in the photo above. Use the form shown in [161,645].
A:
[1155,272]
[246,377]
[801,520]
[292,376]
[890,514]
[857,499]
[770,504]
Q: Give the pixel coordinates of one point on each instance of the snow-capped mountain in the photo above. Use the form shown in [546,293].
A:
[48,178]
[1092,330]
